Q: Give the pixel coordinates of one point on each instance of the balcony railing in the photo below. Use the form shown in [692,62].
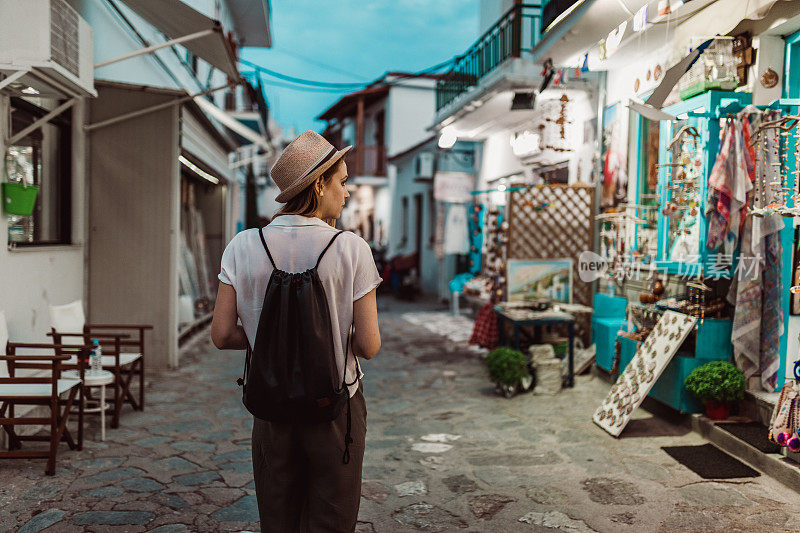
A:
[366,161]
[516,31]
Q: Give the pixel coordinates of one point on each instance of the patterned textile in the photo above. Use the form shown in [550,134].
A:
[729,183]
[484,334]
[756,289]
[772,313]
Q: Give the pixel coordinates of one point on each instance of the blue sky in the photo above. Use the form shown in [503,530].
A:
[348,41]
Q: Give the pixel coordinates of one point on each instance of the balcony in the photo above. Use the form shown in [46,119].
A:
[517,31]
[366,161]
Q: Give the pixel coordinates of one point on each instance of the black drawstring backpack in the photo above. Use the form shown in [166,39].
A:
[290,373]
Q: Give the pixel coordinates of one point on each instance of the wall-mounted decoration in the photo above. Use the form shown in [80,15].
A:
[534,279]
[769,78]
[744,55]
[643,371]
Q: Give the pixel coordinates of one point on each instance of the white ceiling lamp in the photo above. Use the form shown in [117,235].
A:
[448,137]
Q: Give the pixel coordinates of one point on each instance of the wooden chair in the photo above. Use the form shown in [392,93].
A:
[121,355]
[43,388]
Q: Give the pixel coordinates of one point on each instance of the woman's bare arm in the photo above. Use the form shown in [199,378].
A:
[225,331]
[367,336]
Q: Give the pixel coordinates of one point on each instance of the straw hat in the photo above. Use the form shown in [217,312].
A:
[302,162]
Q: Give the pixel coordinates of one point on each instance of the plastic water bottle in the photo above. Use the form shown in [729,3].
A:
[96,361]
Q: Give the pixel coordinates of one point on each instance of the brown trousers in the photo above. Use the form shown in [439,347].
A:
[301,481]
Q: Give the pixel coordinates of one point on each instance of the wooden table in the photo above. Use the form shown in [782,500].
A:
[520,317]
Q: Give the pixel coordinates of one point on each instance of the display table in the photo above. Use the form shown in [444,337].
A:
[520,317]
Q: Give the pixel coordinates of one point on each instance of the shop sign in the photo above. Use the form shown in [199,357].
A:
[452,186]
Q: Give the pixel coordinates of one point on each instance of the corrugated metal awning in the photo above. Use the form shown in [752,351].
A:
[175,19]
[232,123]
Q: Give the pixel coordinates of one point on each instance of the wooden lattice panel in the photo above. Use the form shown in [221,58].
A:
[551,222]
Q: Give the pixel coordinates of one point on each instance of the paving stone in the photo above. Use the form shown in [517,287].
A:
[217,436]
[174,463]
[612,491]
[410,488]
[191,446]
[647,470]
[365,527]
[103,492]
[688,519]
[43,490]
[556,520]
[42,521]
[173,501]
[372,490]
[100,463]
[111,518]
[238,466]
[485,506]
[184,427]
[383,444]
[141,484]
[546,495]
[427,517]
[112,475]
[708,494]
[431,447]
[460,484]
[238,455]
[508,459]
[195,479]
[244,509]
[624,518]
[233,412]
[170,528]
[150,442]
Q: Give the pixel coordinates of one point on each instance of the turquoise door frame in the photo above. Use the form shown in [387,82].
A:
[791,89]
[701,112]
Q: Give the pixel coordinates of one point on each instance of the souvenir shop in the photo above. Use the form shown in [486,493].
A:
[698,222]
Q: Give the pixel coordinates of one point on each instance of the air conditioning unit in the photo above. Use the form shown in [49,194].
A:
[423,165]
[49,40]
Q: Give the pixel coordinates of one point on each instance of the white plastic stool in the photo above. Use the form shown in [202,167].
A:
[454,307]
[95,379]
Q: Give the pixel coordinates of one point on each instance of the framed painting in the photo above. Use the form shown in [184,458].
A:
[535,279]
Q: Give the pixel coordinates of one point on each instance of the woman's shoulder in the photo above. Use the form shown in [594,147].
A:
[244,238]
[353,241]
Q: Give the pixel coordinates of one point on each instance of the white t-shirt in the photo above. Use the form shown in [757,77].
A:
[347,272]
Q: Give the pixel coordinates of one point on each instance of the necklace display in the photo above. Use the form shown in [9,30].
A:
[684,174]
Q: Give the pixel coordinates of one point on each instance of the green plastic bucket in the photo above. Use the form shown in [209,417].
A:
[19,199]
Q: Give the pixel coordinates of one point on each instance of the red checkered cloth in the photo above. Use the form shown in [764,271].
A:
[484,334]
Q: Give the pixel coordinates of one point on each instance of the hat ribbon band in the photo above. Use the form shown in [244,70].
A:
[324,160]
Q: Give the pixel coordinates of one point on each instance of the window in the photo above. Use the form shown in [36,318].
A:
[41,158]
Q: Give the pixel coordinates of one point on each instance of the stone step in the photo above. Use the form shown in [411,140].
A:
[783,467]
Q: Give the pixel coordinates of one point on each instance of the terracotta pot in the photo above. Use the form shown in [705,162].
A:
[717,410]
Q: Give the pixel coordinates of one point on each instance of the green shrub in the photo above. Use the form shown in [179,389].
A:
[718,380]
[507,366]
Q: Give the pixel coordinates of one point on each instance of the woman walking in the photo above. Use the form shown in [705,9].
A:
[289,283]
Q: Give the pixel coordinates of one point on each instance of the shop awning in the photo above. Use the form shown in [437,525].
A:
[586,25]
[201,35]
[232,123]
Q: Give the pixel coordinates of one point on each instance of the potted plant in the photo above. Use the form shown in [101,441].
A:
[508,368]
[717,384]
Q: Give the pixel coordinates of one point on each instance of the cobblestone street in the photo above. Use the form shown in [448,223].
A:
[443,453]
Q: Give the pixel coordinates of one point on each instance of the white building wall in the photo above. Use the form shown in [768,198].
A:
[498,159]
[33,278]
[410,110]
